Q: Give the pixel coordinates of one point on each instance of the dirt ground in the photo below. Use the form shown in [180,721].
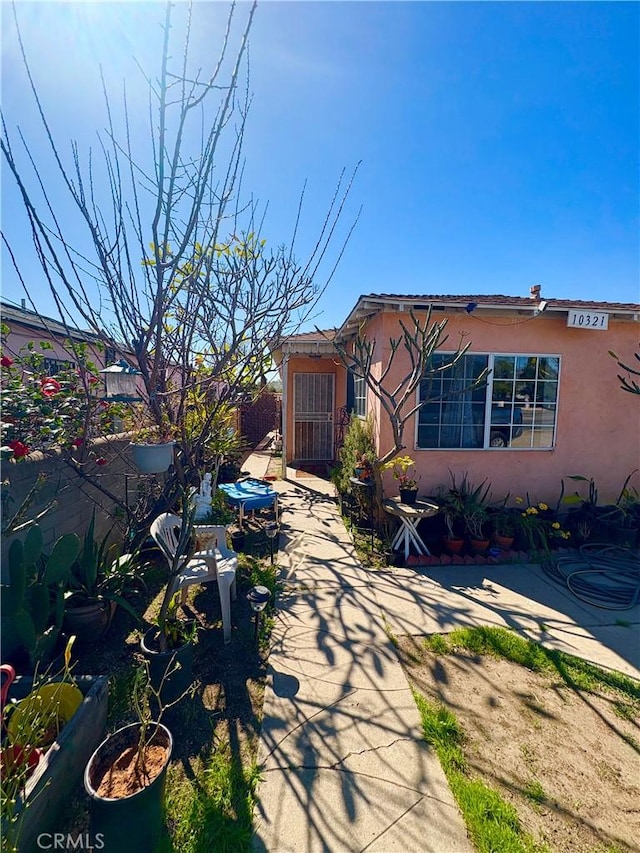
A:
[569,762]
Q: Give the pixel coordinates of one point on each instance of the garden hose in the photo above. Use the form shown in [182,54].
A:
[606,576]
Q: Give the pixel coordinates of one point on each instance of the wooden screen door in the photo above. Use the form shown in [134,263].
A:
[313,416]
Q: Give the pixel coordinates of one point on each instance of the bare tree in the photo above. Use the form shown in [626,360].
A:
[178,271]
[420,340]
[628,383]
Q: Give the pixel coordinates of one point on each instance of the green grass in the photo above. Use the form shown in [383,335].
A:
[493,824]
[534,791]
[501,643]
[212,808]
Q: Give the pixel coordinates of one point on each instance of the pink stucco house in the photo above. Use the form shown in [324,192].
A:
[552,406]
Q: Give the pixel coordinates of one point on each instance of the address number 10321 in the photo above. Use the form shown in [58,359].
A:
[588,320]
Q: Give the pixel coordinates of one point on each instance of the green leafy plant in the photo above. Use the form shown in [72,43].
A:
[34,598]
[403,470]
[102,572]
[220,511]
[358,441]
[37,722]
[540,525]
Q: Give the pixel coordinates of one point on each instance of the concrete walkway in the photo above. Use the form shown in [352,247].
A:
[345,765]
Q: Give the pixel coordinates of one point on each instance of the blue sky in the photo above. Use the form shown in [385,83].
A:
[499,141]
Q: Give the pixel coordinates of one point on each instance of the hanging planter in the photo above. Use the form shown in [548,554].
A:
[152,458]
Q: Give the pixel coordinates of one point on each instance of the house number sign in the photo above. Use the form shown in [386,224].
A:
[588,320]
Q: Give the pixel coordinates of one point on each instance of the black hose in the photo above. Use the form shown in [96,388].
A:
[606,576]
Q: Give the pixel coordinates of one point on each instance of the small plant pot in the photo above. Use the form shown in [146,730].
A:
[175,664]
[134,821]
[238,540]
[152,458]
[503,542]
[479,546]
[408,496]
[452,546]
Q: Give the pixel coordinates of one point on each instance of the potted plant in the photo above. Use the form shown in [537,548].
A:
[152,445]
[403,470]
[125,777]
[624,519]
[363,468]
[99,579]
[54,722]
[168,644]
[475,519]
[506,523]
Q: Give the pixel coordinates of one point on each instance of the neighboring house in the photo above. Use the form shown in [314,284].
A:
[26,325]
[552,406]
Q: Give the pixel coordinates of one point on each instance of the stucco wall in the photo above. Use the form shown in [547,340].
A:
[75,500]
[598,427]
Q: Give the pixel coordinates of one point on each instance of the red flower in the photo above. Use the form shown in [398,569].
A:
[77,442]
[101,461]
[19,449]
[5,361]
[49,386]
[93,380]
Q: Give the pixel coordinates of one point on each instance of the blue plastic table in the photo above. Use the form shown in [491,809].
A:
[250,494]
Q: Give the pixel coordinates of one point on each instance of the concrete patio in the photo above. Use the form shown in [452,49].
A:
[345,765]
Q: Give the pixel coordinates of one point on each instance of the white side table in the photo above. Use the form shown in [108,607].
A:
[410,516]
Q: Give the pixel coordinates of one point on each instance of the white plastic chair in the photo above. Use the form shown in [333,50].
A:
[217,563]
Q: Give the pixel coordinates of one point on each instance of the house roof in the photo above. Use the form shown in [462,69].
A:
[39,322]
[370,304]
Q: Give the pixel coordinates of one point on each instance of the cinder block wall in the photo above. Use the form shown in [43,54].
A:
[75,499]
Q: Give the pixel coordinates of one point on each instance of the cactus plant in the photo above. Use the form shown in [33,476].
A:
[34,599]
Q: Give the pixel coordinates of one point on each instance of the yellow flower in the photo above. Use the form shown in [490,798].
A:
[519,500]
[556,525]
[532,510]
[543,507]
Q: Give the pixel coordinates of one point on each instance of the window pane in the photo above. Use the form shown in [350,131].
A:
[461,414]
[548,368]
[546,392]
[504,367]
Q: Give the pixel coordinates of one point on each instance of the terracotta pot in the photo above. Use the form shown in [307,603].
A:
[503,542]
[452,546]
[479,546]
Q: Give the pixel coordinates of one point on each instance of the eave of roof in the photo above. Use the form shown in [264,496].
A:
[370,304]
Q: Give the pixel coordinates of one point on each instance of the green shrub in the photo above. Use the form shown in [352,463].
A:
[358,441]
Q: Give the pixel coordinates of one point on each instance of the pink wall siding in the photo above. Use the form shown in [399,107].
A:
[598,427]
[19,336]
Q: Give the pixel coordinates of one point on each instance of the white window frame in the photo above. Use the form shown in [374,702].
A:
[491,357]
[359,395]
